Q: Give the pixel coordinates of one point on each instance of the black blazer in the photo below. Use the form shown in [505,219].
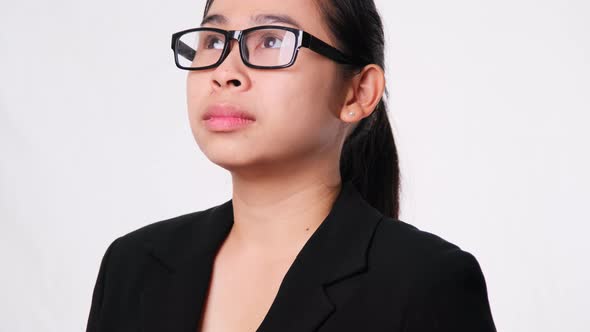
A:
[359,271]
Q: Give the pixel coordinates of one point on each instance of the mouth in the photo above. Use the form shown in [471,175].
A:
[227,111]
[226,117]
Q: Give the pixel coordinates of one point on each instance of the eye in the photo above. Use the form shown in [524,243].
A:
[214,42]
[271,42]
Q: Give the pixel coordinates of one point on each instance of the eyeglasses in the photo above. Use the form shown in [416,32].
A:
[261,47]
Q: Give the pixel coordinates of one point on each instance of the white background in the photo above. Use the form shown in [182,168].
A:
[489,102]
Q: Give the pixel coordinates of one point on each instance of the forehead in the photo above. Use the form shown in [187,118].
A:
[241,14]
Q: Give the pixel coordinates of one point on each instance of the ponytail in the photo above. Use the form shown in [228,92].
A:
[369,158]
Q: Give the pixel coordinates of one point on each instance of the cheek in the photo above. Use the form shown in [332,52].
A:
[195,91]
[198,95]
[196,98]
[299,113]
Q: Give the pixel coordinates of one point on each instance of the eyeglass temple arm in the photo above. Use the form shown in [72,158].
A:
[183,49]
[317,45]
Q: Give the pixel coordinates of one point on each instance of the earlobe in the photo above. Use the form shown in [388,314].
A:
[351,113]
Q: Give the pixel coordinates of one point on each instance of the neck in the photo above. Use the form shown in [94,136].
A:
[276,218]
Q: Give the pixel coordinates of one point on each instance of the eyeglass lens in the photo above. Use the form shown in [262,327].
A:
[264,47]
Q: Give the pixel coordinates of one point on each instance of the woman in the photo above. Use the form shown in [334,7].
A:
[310,240]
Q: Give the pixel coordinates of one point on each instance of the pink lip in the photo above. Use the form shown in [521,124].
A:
[225,117]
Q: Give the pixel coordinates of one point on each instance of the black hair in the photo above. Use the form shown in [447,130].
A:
[369,156]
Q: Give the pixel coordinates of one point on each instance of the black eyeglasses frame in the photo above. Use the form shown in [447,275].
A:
[304,39]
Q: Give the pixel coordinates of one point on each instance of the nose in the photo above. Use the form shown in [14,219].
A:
[231,73]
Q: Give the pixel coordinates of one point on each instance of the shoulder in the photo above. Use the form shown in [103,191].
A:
[157,230]
[420,261]
[125,256]
[161,233]
[444,285]
[397,242]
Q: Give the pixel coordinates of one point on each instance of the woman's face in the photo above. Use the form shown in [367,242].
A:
[296,109]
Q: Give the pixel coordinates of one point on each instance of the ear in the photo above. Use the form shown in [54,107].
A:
[364,93]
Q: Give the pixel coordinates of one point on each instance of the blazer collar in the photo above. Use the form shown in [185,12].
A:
[181,263]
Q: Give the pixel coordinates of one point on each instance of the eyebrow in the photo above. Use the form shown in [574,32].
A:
[258,19]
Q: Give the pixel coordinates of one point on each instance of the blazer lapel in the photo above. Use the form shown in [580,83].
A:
[179,268]
[181,265]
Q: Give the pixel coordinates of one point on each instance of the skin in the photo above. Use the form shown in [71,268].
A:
[285,165]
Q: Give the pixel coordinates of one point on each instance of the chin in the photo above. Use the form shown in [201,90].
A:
[229,158]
